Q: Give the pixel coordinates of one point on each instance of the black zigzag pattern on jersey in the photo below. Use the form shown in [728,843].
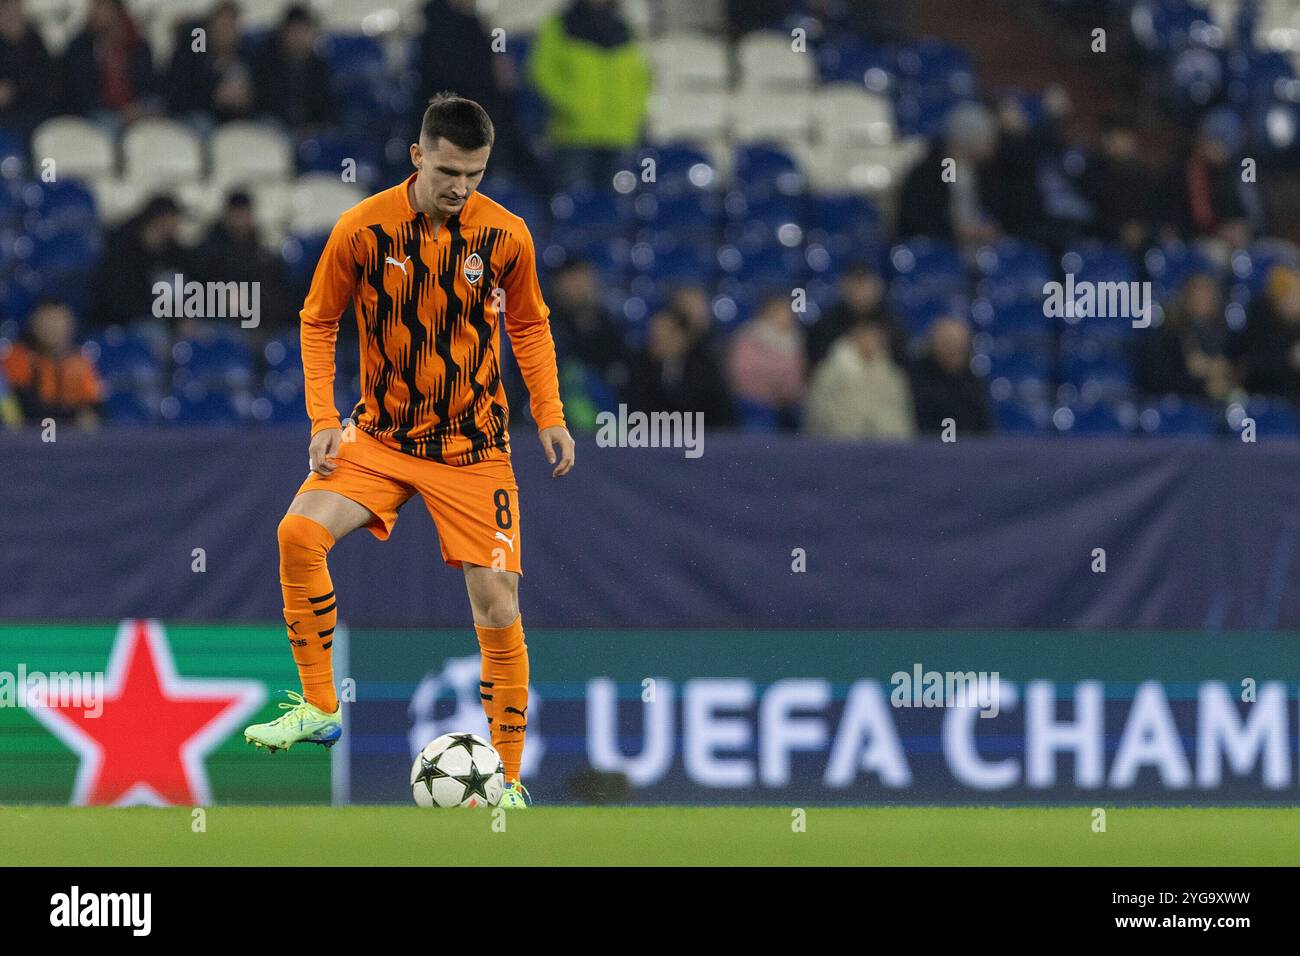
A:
[377,325]
[445,334]
[409,360]
[480,440]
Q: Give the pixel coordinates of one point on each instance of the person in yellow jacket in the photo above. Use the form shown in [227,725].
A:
[594,77]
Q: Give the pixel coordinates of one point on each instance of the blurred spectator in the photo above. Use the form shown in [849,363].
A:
[29,81]
[677,373]
[109,68]
[1121,188]
[455,53]
[233,252]
[595,80]
[1187,353]
[767,365]
[11,413]
[694,305]
[48,374]
[1268,349]
[858,391]
[943,385]
[294,82]
[948,200]
[588,342]
[1207,196]
[1035,193]
[215,83]
[861,296]
[144,250]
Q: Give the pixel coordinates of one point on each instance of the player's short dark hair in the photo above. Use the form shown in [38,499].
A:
[460,121]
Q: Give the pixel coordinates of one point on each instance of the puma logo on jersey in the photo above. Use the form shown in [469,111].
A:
[515,710]
[401,265]
[509,541]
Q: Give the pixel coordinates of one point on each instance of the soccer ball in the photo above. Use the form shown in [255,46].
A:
[457,770]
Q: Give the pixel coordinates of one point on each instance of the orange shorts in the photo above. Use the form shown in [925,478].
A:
[474,507]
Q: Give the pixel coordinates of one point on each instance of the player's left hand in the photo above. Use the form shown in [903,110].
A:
[558,435]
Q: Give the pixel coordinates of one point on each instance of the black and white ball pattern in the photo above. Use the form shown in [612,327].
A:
[457,770]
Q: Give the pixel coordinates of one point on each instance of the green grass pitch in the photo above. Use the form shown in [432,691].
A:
[647,836]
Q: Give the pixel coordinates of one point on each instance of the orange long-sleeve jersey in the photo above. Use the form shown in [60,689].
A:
[428,309]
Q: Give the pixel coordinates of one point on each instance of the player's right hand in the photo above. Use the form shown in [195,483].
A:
[324,449]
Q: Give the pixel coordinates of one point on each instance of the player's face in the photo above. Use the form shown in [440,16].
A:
[447,174]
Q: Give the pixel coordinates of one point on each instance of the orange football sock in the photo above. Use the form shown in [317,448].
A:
[503,690]
[309,606]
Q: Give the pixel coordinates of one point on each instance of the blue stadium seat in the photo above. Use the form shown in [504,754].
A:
[326,151]
[918,314]
[755,417]
[666,259]
[128,408]
[764,265]
[1099,371]
[300,255]
[63,206]
[1022,417]
[1274,417]
[359,76]
[1170,266]
[1197,77]
[123,361]
[1251,267]
[766,169]
[1099,262]
[1020,321]
[923,111]
[845,58]
[1255,77]
[679,167]
[13,154]
[1099,419]
[219,362]
[848,217]
[592,211]
[771,218]
[200,406]
[936,63]
[694,211]
[925,270]
[1013,271]
[1018,374]
[283,354]
[66,252]
[1163,27]
[1176,416]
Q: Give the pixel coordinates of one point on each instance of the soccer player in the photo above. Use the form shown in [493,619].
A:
[431,267]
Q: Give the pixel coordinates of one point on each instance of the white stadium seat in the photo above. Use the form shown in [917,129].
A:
[767,60]
[770,115]
[847,113]
[202,203]
[117,200]
[77,146]
[522,16]
[246,153]
[690,61]
[370,17]
[318,199]
[698,115]
[161,151]
[840,167]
